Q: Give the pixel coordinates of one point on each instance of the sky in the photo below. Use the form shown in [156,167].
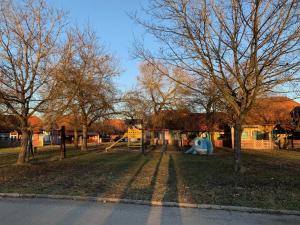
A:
[110,20]
[116,30]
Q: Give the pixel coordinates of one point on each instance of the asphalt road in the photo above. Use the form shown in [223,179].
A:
[61,212]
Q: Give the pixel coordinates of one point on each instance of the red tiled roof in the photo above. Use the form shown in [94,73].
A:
[112,126]
[35,121]
[186,121]
[272,110]
[36,124]
[68,121]
[117,123]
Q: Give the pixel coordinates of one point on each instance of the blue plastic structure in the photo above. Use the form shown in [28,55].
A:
[201,146]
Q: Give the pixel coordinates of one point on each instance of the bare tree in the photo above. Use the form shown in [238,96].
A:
[136,108]
[160,92]
[135,105]
[207,99]
[245,48]
[86,75]
[29,35]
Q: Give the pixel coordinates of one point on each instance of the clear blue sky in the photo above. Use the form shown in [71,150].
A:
[109,18]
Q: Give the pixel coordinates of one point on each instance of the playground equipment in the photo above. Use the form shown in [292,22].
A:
[201,146]
[115,143]
[134,138]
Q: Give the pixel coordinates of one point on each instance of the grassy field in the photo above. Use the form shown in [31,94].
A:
[15,150]
[271,179]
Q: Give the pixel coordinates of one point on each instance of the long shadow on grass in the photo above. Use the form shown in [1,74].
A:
[129,189]
[146,212]
[155,174]
[171,194]
[116,171]
[7,160]
[133,178]
[83,176]
[205,179]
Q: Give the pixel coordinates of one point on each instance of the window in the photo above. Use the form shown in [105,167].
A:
[245,135]
[260,135]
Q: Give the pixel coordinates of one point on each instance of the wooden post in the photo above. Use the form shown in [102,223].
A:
[62,143]
[292,139]
[29,146]
[143,142]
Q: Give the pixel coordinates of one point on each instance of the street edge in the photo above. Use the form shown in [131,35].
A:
[152,203]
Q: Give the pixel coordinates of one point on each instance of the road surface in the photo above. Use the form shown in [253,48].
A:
[61,212]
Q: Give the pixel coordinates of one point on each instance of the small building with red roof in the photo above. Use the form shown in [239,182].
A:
[265,119]
[259,130]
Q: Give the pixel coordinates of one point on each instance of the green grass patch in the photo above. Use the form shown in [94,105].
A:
[271,179]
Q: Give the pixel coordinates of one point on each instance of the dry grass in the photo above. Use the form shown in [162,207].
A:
[270,181]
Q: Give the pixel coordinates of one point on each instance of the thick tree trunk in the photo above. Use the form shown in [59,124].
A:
[237,145]
[24,144]
[75,138]
[84,137]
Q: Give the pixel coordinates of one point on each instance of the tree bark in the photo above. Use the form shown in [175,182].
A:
[24,144]
[75,138]
[62,143]
[152,137]
[143,141]
[84,137]
[237,145]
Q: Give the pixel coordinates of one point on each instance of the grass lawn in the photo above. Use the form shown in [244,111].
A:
[11,150]
[271,180]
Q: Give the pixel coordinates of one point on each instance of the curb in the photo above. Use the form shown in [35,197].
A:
[152,203]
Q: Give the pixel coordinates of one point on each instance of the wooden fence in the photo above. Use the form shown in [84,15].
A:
[257,144]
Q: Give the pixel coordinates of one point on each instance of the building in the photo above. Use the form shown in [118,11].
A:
[72,127]
[36,125]
[42,133]
[268,124]
[179,128]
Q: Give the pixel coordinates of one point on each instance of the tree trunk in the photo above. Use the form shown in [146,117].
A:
[211,134]
[163,137]
[84,137]
[51,136]
[62,143]
[237,145]
[24,144]
[152,137]
[143,141]
[75,138]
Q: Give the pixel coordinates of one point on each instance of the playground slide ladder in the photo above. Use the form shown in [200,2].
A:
[109,147]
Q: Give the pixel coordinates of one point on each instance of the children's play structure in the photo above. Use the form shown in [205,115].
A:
[133,136]
[201,146]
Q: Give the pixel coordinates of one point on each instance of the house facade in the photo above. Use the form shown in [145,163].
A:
[179,128]
[42,133]
[72,128]
[268,124]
